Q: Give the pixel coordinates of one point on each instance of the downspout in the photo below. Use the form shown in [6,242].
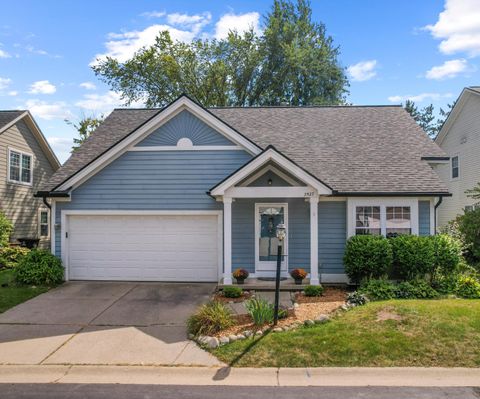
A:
[440,200]
[44,198]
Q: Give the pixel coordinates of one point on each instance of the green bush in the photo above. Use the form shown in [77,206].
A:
[417,289]
[313,290]
[378,290]
[446,285]
[413,256]
[6,228]
[232,292]
[39,267]
[10,256]
[447,254]
[357,298]
[469,227]
[209,319]
[260,310]
[367,257]
[468,287]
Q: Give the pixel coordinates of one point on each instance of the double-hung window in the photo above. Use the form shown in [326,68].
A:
[367,220]
[43,223]
[398,220]
[19,167]
[455,169]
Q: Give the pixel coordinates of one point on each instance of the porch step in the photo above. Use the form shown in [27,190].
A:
[256,284]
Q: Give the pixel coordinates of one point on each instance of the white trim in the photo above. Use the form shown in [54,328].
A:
[314,280]
[22,153]
[65,227]
[267,156]
[183,103]
[334,278]
[456,155]
[269,168]
[53,212]
[352,203]
[258,263]
[271,192]
[192,148]
[227,240]
[39,225]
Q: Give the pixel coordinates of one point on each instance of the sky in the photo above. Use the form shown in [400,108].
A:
[426,51]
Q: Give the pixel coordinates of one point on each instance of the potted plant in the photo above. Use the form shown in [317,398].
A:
[240,275]
[298,275]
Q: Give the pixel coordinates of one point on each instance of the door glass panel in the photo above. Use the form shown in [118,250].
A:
[270,218]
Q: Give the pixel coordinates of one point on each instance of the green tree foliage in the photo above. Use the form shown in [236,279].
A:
[425,117]
[293,62]
[474,192]
[469,227]
[85,128]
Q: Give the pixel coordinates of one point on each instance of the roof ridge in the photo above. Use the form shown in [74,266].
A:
[275,107]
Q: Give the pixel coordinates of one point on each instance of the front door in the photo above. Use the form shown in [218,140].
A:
[267,218]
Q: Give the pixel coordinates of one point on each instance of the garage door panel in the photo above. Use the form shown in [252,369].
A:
[143,247]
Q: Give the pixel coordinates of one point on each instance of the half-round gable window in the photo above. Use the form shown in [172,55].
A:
[184,142]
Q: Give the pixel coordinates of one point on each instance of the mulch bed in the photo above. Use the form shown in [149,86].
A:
[330,294]
[220,298]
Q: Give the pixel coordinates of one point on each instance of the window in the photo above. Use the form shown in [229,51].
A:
[43,223]
[20,167]
[367,220]
[398,221]
[455,167]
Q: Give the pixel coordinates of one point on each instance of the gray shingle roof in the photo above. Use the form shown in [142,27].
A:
[7,116]
[376,149]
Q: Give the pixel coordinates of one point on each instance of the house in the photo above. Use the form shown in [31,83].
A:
[459,137]
[26,164]
[186,193]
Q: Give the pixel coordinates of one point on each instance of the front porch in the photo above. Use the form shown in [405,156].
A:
[259,284]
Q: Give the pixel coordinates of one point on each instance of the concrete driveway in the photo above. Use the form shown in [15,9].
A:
[105,323]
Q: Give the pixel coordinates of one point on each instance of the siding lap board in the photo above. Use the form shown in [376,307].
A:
[332,233]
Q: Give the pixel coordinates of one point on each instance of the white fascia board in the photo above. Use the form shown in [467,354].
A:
[271,155]
[164,116]
[270,192]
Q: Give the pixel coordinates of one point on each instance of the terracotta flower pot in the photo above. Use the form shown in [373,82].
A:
[298,281]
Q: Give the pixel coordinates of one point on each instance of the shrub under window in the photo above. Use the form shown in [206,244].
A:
[39,267]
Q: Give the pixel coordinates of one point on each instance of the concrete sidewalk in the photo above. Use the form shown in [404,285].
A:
[331,376]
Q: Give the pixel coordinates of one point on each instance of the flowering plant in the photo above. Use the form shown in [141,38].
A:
[240,274]
[298,274]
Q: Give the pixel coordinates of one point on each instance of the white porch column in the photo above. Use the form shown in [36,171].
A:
[314,280]
[227,240]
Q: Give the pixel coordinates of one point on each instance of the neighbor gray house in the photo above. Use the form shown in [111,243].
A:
[460,139]
[185,193]
[26,164]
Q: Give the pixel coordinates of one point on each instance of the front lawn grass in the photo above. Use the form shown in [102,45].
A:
[12,294]
[408,333]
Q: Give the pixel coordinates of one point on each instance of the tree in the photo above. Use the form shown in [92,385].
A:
[85,127]
[292,62]
[474,192]
[425,117]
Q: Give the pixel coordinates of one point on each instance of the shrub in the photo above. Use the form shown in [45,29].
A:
[446,285]
[240,274]
[367,257]
[357,298]
[313,290]
[232,292]
[413,256]
[447,255]
[260,310]
[298,274]
[39,267]
[468,287]
[419,289]
[378,290]
[10,256]
[6,228]
[469,227]
[209,319]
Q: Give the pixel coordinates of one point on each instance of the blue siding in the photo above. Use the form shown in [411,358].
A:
[332,233]
[243,232]
[424,218]
[185,125]
[262,181]
[171,180]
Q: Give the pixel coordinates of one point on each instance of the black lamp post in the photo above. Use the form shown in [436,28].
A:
[281,233]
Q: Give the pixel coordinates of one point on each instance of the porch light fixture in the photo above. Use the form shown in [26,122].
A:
[270,181]
[281,234]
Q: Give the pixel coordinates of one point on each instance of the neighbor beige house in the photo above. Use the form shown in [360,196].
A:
[460,139]
[26,163]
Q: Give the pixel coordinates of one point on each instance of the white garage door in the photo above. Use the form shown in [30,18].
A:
[143,247]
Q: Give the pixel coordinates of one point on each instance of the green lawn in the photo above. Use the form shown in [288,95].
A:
[427,333]
[11,294]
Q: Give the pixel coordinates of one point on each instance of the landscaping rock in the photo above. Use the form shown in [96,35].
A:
[232,338]
[277,329]
[224,340]
[296,305]
[213,342]
[323,318]
[247,333]
[259,332]
[309,322]
[202,339]
[191,337]
[240,336]
[344,307]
